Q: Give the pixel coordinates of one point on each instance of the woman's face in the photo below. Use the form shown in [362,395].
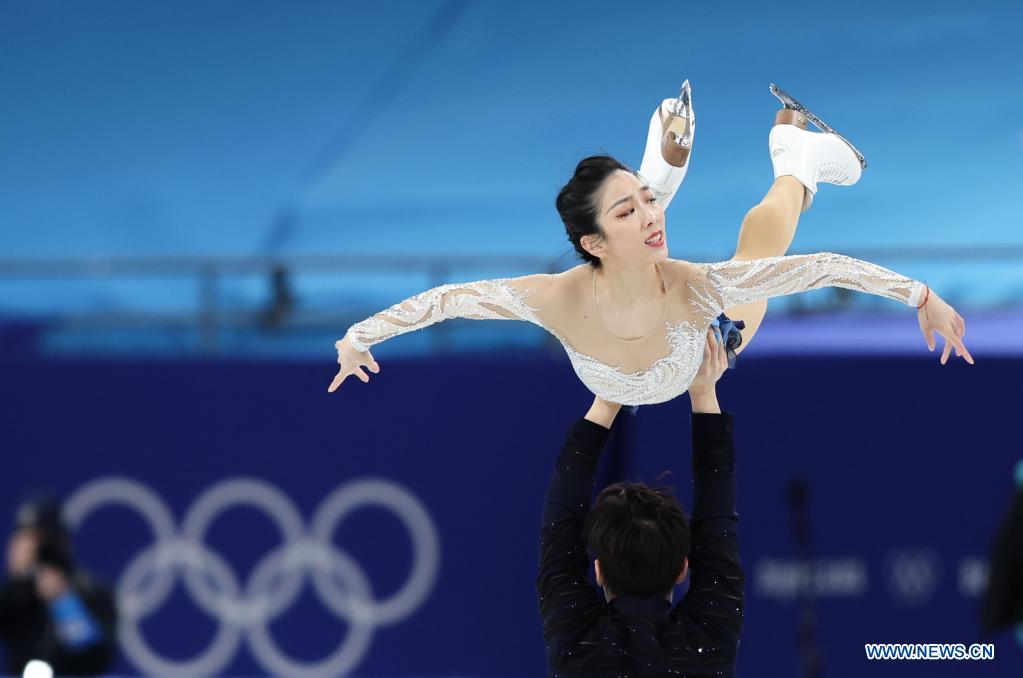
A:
[632,221]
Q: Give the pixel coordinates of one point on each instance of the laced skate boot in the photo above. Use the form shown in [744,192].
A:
[669,144]
[810,157]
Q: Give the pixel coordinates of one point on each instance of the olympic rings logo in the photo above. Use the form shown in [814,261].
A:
[244,610]
[912,575]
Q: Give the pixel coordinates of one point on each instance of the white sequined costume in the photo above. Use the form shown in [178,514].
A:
[675,358]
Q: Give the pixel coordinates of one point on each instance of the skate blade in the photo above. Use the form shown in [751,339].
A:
[684,102]
[791,103]
[677,128]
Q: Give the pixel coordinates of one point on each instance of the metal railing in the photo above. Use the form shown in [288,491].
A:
[209,317]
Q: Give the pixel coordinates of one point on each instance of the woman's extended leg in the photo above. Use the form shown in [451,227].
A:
[801,159]
[767,231]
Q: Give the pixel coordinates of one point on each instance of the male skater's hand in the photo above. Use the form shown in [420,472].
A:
[602,412]
[702,392]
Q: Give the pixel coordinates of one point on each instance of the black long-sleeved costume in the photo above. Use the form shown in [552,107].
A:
[637,636]
[28,632]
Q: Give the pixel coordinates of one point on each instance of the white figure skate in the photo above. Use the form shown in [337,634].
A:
[668,145]
[810,157]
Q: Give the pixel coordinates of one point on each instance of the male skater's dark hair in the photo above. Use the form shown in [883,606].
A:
[641,537]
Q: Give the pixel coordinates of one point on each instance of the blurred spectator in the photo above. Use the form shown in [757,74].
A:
[51,609]
[282,300]
[1003,605]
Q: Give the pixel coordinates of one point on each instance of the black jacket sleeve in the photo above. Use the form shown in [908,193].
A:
[568,601]
[16,595]
[714,601]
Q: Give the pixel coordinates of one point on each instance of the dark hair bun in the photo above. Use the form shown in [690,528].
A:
[577,200]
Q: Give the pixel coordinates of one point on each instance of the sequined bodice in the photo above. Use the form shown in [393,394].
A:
[710,290]
[665,379]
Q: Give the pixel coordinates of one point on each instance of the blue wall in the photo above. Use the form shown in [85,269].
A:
[909,468]
[264,128]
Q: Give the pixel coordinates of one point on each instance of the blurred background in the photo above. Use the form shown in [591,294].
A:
[196,201]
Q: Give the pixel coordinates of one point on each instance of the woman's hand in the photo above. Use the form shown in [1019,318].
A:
[937,316]
[352,362]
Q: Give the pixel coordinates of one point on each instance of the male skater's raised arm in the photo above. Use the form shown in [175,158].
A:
[569,603]
[640,537]
[710,614]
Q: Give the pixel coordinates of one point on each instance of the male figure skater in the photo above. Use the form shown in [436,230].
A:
[643,546]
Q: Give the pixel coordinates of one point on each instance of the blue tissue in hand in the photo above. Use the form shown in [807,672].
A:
[730,332]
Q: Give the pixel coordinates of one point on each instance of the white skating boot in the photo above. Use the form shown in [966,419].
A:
[809,156]
[668,145]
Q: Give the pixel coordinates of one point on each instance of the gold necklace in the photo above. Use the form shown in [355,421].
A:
[664,286]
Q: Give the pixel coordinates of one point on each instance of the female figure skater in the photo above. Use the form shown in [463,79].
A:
[633,321]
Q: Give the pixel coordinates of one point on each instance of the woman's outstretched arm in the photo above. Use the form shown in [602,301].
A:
[500,299]
[729,283]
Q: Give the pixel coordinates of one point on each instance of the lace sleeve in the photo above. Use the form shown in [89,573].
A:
[500,299]
[729,283]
